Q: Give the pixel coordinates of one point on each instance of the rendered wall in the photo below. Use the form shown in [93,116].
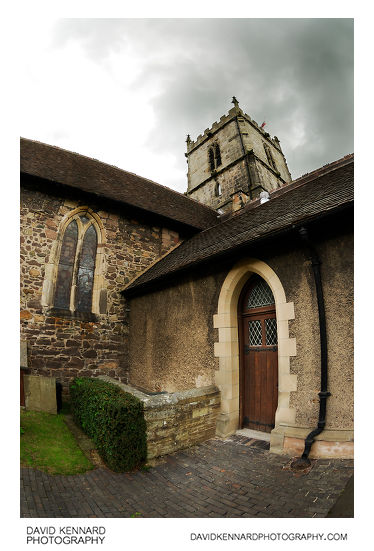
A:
[172,337]
[336,254]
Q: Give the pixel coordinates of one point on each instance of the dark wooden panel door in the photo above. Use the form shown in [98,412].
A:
[258,357]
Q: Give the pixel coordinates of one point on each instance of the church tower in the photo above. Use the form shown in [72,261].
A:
[233,162]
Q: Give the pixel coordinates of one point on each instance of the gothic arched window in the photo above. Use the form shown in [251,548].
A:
[217,154]
[260,293]
[211,159]
[269,156]
[76,266]
[214,155]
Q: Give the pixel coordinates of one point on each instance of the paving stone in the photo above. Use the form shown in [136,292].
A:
[231,477]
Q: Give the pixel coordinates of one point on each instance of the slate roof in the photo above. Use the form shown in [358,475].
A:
[317,194]
[89,175]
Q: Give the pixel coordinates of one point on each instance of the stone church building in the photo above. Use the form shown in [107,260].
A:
[226,307]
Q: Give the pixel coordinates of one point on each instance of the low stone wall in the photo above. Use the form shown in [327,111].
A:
[176,420]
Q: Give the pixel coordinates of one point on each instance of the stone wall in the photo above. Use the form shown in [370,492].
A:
[66,346]
[269,181]
[178,420]
[232,175]
[198,162]
[233,179]
[255,139]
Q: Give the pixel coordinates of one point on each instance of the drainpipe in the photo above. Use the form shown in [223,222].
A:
[304,460]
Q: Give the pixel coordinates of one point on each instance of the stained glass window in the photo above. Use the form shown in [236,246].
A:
[260,295]
[84,219]
[65,267]
[86,271]
[76,267]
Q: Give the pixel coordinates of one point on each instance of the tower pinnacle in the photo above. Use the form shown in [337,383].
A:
[235,102]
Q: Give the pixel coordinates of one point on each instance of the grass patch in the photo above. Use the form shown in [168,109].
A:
[48,445]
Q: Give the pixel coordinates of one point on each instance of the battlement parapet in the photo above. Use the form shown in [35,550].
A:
[224,120]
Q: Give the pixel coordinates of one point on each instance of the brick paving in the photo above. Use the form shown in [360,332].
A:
[233,477]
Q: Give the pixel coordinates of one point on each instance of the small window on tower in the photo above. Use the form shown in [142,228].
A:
[211,159]
[218,189]
[214,155]
[269,156]
[217,155]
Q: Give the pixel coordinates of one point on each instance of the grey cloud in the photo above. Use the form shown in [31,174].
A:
[287,71]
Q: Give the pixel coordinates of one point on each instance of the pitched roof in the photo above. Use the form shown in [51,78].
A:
[322,192]
[89,175]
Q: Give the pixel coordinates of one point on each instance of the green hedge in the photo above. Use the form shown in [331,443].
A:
[113,419]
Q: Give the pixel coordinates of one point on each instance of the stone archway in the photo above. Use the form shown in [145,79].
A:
[227,348]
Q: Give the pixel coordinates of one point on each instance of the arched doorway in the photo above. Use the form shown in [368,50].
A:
[258,356]
[226,349]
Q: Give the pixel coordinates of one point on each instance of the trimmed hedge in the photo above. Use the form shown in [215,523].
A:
[114,419]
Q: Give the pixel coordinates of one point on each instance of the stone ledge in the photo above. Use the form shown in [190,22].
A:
[176,420]
[155,401]
[327,434]
[290,440]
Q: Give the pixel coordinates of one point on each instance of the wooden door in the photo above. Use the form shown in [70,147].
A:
[258,356]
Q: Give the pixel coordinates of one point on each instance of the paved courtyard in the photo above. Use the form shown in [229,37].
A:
[234,477]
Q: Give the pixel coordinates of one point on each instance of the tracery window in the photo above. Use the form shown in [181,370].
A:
[217,154]
[214,155]
[260,295]
[211,159]
[76,266]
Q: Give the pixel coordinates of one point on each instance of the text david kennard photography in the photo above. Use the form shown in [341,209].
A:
[65,534]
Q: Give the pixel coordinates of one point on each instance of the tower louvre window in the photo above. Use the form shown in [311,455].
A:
[269,156]
[214,155]
[211,159]
[217,154]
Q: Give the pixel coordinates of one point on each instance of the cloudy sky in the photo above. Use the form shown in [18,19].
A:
[127,91]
